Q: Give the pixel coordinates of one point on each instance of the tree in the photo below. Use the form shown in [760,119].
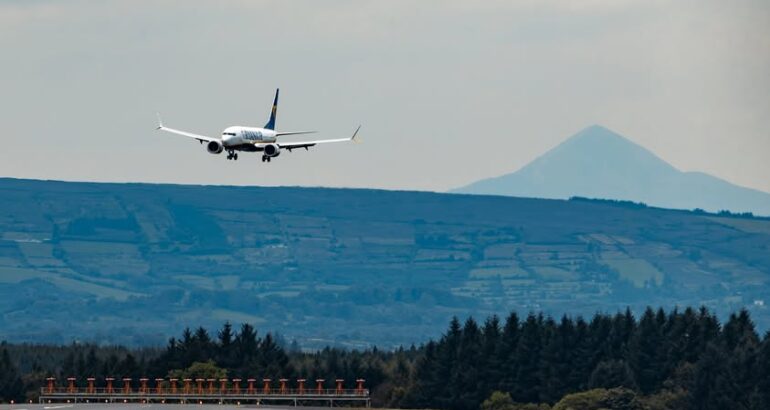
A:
[80,364]
[600,331]
[708,327]
[502,401]
[621,399]
[761,395]
[246,343]
[621,331]
[646,352]
[615,399]
[128,367]
[555,359]
[92,362]
[187,338]
[742,344]
[506,352]
[68,367]
[612,373]
[739,331]
[272,357]
[690,361]
[426,384]
[581,356]
[498,401]
[682,339]
[714,387]
[466,378]
[527,388]
[226,352]
[199,370]
[446,363]
[491,367]
[201,349]
[11,386]
[676,392]
[110,366]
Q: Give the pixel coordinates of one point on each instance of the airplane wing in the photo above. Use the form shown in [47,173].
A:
[279,134]
[201,138]
[306,144]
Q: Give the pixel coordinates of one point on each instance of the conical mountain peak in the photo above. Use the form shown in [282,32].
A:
[597,131]
[597,162]
[601,139]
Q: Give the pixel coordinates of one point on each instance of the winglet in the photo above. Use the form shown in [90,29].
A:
[160,122]
[353,138]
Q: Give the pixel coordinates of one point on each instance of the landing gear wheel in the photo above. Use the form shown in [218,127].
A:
[235,157]
[264,158]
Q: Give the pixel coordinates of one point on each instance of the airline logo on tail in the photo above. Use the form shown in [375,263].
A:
[271,122]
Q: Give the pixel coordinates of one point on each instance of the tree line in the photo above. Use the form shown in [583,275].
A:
[677,360]
[681,359]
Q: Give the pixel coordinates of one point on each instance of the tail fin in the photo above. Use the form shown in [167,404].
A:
[271,122]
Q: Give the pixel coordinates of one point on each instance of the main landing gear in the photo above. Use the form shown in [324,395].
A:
[265,158]
[232,155]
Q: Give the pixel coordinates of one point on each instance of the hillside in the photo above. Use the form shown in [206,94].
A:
[599,163]
[100,261]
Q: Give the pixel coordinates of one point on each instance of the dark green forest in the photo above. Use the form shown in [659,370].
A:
[680,359]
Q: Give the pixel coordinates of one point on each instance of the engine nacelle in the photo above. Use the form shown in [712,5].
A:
[272,150]
[214,147]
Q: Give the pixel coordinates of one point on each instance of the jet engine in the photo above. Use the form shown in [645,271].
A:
[214,147]
[272,150]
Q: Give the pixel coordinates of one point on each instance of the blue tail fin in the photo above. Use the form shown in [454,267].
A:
[271,122]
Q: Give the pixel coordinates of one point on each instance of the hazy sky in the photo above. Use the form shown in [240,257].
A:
[448,92]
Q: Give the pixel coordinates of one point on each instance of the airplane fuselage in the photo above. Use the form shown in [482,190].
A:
[237,136]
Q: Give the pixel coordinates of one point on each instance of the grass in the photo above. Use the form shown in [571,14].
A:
[501,271]
[745,225]
[638,271]
[551,273]
[17,275]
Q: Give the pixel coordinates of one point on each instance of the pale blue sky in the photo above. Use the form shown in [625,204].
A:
[448,92]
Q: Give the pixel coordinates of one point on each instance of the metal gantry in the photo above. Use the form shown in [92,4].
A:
[199,391]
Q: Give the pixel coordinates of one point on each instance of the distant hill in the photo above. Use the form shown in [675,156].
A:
[134,263]
[599,163]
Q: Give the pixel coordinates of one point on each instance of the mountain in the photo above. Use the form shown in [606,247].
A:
[135,263]
[599,163]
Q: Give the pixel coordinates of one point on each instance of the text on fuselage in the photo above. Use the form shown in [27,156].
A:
[252,135]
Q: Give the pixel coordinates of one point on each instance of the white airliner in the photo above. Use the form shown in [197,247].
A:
[253,139]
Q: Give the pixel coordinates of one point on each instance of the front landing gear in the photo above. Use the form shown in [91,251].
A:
[232,155]
[265,158]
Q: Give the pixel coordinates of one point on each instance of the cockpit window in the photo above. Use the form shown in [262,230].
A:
[228,133]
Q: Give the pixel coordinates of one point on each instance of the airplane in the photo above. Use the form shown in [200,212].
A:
[253,139]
